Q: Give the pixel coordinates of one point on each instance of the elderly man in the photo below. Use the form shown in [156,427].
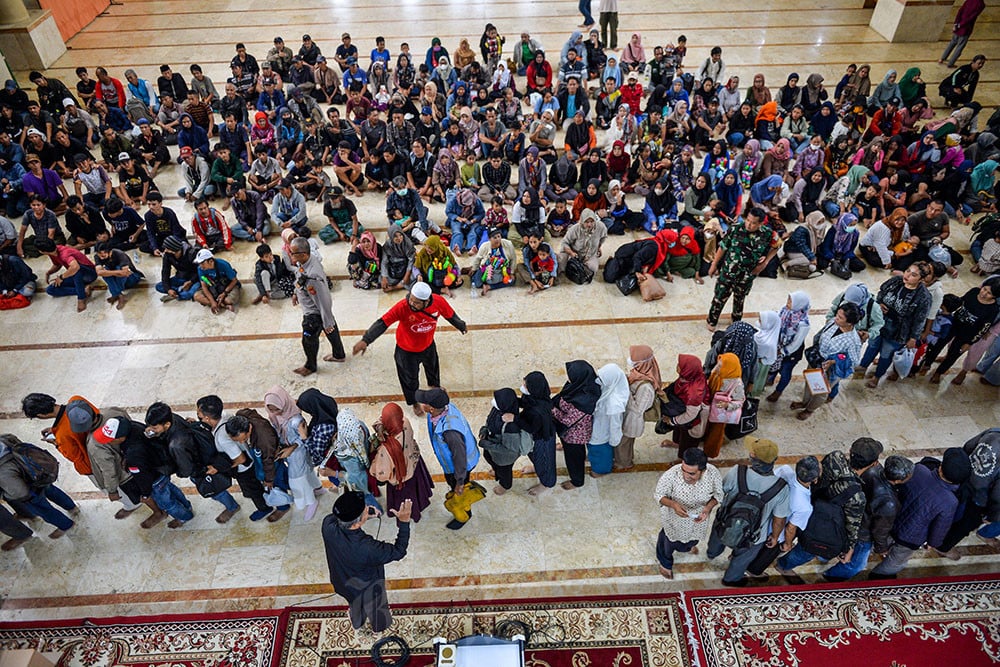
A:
[495,264]
[288,209]
[753,512]
[583,241]
[686,493]
[741,256]
[357,560]
[456,450]
[417,315]
[312,292]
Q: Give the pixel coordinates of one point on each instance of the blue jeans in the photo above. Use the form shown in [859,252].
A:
[117,285]
[76,284]
[990,530]
[207,192]
[601,457]
[284,217]
[171,499]
[987,363]
[175,284]
[477,281]
[465,240]
[240,232]
[357,474]
[735,139]
[585,10]
[884,349]
[227,501]
[785,373]
[859,559]
[831,209]
[797,556]
[40,505]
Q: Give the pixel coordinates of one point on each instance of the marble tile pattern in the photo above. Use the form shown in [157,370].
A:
[596,540]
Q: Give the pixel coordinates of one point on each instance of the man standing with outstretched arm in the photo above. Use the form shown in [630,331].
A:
[312,292]
[417,315]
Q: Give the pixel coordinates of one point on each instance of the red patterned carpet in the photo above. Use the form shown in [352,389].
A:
[914,623]
[236,639]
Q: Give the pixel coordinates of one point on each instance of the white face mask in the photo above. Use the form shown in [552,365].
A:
[493,402]
[524,391]
[631,364]
[658,191]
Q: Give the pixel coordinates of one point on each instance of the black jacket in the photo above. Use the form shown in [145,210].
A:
[357,560]
[185,266]
[880,509]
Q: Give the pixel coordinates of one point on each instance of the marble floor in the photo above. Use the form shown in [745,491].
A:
[597,540]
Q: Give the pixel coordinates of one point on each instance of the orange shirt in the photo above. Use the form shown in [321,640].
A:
[72,445]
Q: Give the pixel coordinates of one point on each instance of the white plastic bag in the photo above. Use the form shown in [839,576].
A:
[902,361]
[278,498]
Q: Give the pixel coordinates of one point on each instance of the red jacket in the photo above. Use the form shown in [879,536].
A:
[215,223]
[534,70]
[632,96]
[118,88]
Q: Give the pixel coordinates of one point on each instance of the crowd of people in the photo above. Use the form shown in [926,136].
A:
[523,161]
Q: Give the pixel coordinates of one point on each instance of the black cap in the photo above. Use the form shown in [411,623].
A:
[435,397]
[349,506]
[955,465]
[864,452]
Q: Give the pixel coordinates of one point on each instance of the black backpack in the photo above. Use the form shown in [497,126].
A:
[826,533]
[577,271]
[38,465]
[736,524]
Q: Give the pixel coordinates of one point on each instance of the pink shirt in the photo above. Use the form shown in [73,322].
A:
[65,256]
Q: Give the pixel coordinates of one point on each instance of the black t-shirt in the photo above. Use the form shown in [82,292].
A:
[972,317]
[85,226]
[86,88]
[343,214]
[133,183]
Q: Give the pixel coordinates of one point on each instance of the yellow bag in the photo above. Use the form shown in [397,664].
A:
[459,506]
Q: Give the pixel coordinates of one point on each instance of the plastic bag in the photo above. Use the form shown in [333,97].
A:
[277,498]
[902,361]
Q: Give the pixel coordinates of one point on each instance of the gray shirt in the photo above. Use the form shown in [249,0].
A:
[314,296]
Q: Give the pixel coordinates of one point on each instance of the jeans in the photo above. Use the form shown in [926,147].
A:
[227,501]
[357,474]
[584,7]
[207,192]
[990,530]
[893,563]
[477,281]
[467,239]
[988,366]
[785,372]
[241,232]
[739,561]
[844,571]
[117,285]
[175,284]
[665,548]
[735,139]
[40,505]
[954,48]
[171,499]
[884,349]
[75,284]
[831,209]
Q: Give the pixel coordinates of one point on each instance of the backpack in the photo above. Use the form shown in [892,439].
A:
[826,533]
[40,467]
[204,440]
[736,525]
[577,271]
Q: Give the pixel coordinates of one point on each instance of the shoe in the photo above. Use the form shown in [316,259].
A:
[255,516]
[14,543]
[226,515]
[310,512]
[455,524]
[739,583]
[276,515]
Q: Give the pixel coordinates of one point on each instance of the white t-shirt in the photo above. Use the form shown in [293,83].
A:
[799,499]
[228,446]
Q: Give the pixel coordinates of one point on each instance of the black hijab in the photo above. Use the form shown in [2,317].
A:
[581,388]
[596,182]
[506,401]
[661,204]
[537,406]
[323,408]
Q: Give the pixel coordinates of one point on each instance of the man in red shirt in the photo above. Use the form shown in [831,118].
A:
[78,274]
[417,315]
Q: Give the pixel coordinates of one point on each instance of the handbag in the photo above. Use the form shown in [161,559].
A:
[812,354]
[278,498]
[578,272]
[841,269]
[651,289]
[627,284]
[718,414]
[212,485]
[747,423]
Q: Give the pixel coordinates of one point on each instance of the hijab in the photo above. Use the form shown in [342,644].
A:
[885,91]
[581,389]
[287,410]
[596,182]
[444,69]
[634,51]
[372,253]
[643,366]
[793,318]
[504,402]
[984,176]
[854,178]
[612,72]
[532,212]
[857,294]
[760,95]
[665,240]
[782,150]
[287,235]
[768,112]
[729,368]
[767,337]
[692,248]
[680,112]
[729,195]
[817,225]
[844,239]
[739,340]
[614,390]
[537,405]
[908,88]
[392,425]
[447,170]
[813,190]
[813,89]
[398,250]
[690,385]
[501,77]
[823,125]
[323,408]
[466,198]
[755,153]
[860,84]
[765,190]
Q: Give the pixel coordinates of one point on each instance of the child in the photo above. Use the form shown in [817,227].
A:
[273,279]
[560,218]
[543,266]
[382,98]
[496,217]
[939,335]
[989,261]
[469,172]
[317,182]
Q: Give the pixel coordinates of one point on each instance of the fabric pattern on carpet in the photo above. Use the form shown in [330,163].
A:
[877,624]
[236,639]
[568,632]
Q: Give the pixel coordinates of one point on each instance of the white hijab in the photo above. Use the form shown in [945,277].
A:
[767,337]
[614,390]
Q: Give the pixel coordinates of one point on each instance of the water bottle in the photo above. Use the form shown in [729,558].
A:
[135,257]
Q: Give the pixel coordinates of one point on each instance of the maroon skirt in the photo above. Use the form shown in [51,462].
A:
[418,489]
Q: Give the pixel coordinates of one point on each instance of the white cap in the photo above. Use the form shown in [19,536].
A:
[68,102]
[205,254]
[124,155]
[35,131]
[421,290]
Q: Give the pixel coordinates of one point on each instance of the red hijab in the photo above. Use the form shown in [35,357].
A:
[691,386]
[691,248]
[392,422]
[666,242]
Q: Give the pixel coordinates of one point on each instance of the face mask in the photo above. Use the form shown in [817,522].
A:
[150,433]
[631,364]
[658,191]
[402,193]
[493,402]
[850,228]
